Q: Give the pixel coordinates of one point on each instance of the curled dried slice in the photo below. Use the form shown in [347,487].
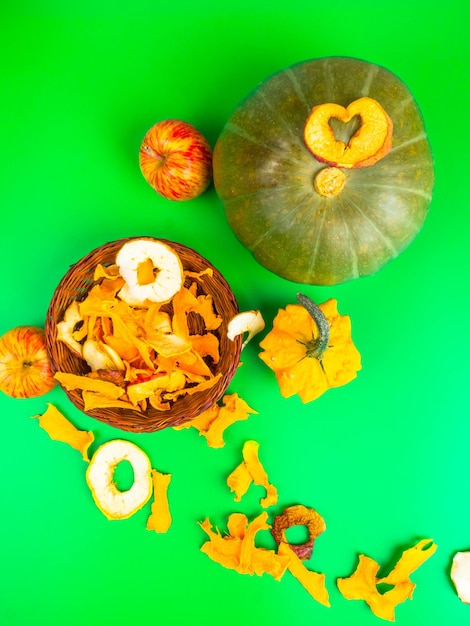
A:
[112,502]
[160,516]
[313,582]
[134,259]
[100,356]
[250,322]
[65,328]
[298,515]
[251,471]
[76,381]
[364,584]
[213,422]
[59,428]
[460,575]
[238,551]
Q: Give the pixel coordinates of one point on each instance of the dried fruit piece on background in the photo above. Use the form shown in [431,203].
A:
[59,428]
[251,471]
[310,349]
[213,422]
[298,515]
[238,551]
[363,583]
[249,322]
[460,575]
[160,516]
[313,582]
[112,502]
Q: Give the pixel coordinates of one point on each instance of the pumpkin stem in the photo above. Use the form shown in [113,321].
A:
[317,346]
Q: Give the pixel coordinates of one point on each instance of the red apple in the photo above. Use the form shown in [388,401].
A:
[25,370]
[176,160]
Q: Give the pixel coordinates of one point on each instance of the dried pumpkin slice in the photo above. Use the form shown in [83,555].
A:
[76,381]
[238,551]
[59,428]
[112,502]
[251,471]
[364,583]
[213,422]
[160,516]
[311,581]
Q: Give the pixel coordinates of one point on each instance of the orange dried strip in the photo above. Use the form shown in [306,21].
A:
[59,428]
[363,583]
[94,400]
[238,551]
[213,422]
[75,381]
[160,516]
[312,581]
[250,471]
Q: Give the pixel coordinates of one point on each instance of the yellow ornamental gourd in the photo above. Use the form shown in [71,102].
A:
[310,349]
[325,170]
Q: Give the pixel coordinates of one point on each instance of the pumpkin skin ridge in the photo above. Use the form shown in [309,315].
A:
[290,216]
[384,238]
[250,174]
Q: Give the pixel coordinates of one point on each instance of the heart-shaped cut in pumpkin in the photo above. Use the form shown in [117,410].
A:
[370,143]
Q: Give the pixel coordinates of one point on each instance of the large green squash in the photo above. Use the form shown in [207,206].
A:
[264,172]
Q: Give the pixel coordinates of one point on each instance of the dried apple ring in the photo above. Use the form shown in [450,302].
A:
[370,143]
[151,269]
[298,515]
[250,322]
[116,504]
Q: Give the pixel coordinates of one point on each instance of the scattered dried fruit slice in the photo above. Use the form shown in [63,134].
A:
[59,428]
[313,582]
[213,422]
[160,516]
[250,322]
[363,583]
[298,515]
[112,502]
[238,551]
[460,575]
[251,471]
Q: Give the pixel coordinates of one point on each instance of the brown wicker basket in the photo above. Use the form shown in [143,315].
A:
[75,286]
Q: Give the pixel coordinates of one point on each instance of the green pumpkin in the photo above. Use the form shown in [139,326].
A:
[264,173]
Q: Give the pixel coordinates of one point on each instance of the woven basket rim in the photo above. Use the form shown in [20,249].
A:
[75,285]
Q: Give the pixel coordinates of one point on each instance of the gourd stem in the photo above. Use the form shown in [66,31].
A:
[317,346]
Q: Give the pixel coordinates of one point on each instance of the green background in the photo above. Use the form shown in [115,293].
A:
[384,459]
